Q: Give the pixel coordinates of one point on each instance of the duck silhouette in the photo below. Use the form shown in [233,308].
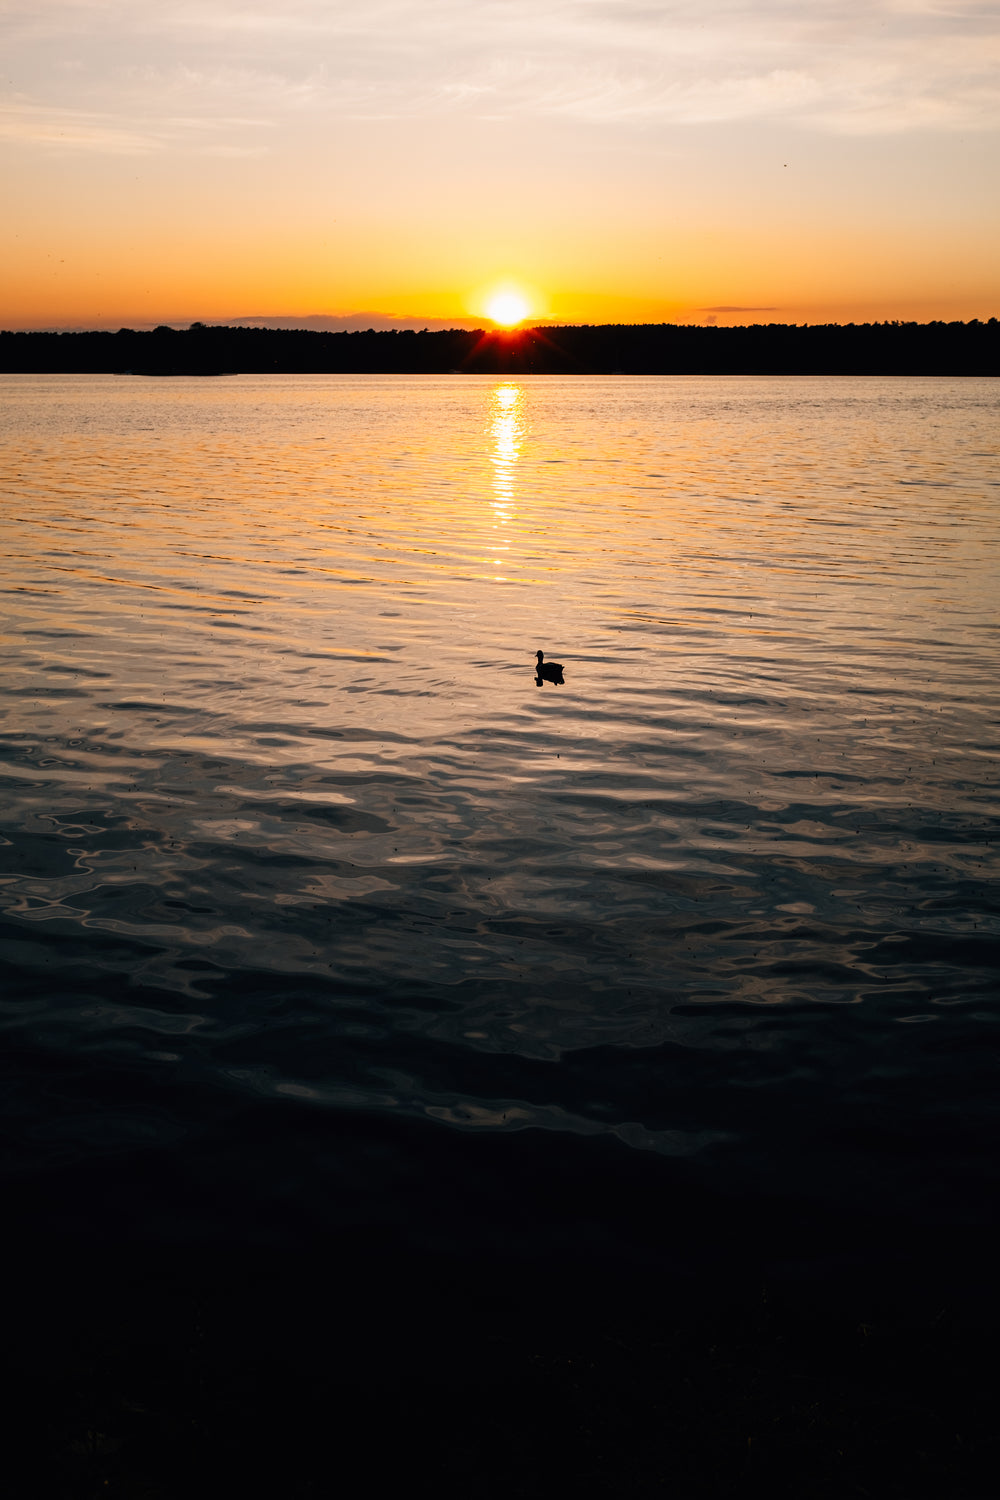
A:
[547,671]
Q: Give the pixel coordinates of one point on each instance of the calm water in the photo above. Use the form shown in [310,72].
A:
[305,877]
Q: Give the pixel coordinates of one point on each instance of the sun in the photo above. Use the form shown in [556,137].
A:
[507,309]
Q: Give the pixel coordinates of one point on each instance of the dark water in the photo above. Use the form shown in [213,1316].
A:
[320,915]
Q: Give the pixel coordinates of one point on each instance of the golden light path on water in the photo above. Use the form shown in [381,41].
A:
[506,429]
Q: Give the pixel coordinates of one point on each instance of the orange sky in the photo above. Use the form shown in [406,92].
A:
[611,162]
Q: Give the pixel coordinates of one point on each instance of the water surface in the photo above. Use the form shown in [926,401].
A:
[293,837]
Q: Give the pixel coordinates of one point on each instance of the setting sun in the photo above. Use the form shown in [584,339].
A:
[507,309]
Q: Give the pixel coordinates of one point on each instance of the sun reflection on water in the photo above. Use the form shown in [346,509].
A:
[506,431]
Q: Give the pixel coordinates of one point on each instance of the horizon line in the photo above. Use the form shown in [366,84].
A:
[469,325]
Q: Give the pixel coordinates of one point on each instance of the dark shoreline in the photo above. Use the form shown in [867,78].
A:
[175,1374]
[612,349]
[706,1345]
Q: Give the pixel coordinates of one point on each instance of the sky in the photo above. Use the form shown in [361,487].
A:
[373,161]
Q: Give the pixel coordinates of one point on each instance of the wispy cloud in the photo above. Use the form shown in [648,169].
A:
[844,66]
[73,129]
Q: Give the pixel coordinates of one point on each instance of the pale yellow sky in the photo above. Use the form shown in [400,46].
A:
[828,159]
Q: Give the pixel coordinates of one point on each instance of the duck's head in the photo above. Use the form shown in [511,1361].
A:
[541,657]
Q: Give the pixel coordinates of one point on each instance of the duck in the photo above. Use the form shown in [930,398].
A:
[548,671]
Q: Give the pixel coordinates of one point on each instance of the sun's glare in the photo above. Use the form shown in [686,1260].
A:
[507,309]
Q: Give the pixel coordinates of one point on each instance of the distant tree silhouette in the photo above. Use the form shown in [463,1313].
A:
[890,348]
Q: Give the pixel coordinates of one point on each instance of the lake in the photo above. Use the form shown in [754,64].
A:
[323,916]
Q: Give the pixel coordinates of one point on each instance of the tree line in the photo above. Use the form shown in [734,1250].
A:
[891,348]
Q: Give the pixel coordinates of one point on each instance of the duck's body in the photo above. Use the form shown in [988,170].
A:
[548,671]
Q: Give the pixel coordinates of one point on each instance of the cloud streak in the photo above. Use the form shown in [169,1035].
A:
[115,75]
